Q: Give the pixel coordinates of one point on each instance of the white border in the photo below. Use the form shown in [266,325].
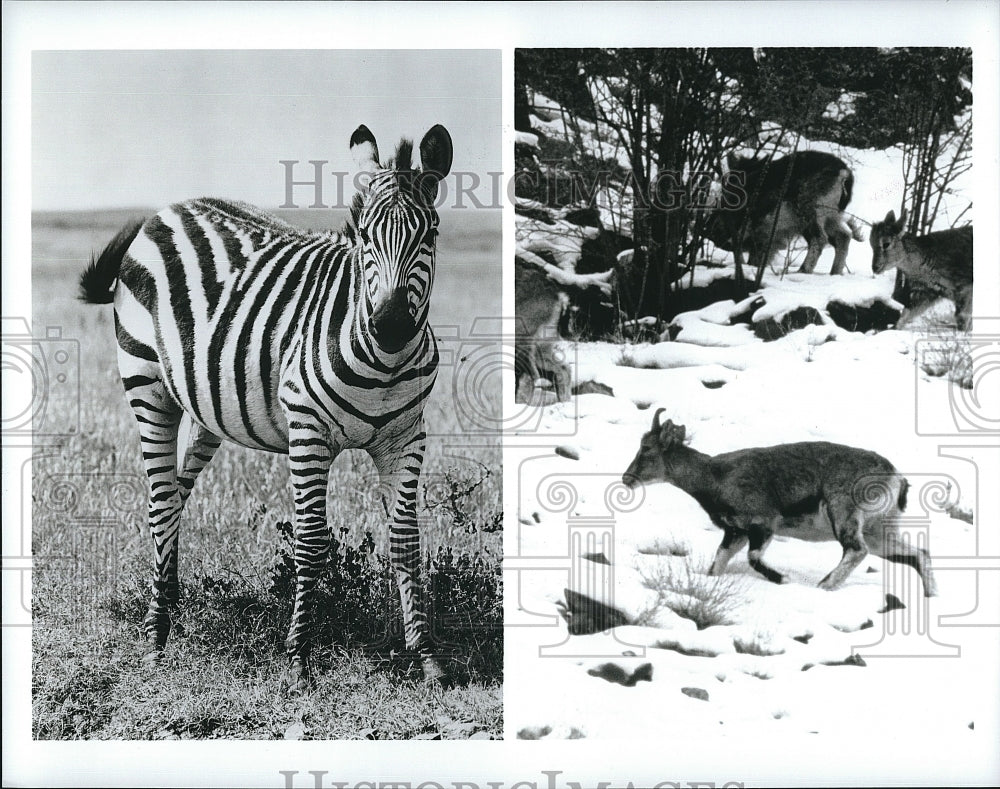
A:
[487,25]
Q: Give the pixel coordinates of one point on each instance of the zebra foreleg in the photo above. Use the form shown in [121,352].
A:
[309,459]
[400,475]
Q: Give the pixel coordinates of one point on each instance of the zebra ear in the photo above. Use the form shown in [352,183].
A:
[435,159]
[364,149]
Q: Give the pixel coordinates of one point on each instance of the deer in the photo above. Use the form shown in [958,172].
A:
[773,201]
[753,493]
[940,262]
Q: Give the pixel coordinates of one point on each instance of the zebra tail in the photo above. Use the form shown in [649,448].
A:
[98,280]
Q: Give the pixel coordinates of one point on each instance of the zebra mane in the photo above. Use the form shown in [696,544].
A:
[401,164]
[403,160]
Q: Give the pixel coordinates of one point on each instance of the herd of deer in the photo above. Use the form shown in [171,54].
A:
[855,496]
[766,203]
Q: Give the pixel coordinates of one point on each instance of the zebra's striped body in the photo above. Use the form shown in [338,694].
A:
[287,341]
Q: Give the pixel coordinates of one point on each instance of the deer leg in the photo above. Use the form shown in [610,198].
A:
[963,300]
[919,560]
[849,534]
[816,245]
[760,537]
[732,542]
[841,240]
[894,548]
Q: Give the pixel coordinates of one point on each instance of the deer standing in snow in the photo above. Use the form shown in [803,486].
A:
[777,199]
[940,262]
[751,493]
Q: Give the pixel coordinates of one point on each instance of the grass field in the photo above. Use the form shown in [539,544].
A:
[223,668]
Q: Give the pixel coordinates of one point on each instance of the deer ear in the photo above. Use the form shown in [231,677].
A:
[902,219]
[890,218]
[364,149]
[667,433]
[656,418]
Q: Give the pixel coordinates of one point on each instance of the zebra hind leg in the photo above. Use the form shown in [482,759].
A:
[400,474]
[159,417]
[201,448]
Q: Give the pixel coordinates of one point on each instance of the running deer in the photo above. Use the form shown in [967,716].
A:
[940,262]
[751,493]
[774,201]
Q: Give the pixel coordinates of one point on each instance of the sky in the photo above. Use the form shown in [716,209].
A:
[145,128]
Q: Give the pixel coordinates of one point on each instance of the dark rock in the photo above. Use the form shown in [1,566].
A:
[799,318]
[878,316]
[572,453]
[585,615]
[852,660]
[892,603]
[593,387]
[612,672]
[695,693]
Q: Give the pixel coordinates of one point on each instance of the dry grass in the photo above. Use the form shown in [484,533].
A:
[947,354]
[682,586]
[223,668]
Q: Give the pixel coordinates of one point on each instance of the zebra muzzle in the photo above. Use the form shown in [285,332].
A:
[392,326]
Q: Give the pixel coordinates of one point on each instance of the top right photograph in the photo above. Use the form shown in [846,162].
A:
[655,185]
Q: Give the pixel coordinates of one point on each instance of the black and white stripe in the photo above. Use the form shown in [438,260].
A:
[286,341]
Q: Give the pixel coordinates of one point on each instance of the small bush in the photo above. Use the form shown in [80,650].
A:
[758,645]
[450,500]
[707,600]
[357,602]
[947,355]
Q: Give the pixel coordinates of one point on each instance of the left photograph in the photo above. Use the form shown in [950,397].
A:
[266,490]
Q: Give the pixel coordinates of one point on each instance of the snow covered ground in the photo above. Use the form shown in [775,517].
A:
[616,632]
[775,661]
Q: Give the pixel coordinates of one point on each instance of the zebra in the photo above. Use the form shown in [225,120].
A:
[286,341]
